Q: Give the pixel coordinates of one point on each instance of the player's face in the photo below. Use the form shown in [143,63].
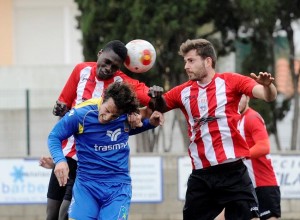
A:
[108,111]
[195,66]
[107,64]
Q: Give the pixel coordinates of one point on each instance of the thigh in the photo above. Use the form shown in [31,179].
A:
[72,175]
[269,201]
[55,191]
[83,204]
[117,206]
[241,210]
[239,196]
[200,202]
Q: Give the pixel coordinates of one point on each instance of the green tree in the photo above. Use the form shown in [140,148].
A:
[259,27]
[166,24]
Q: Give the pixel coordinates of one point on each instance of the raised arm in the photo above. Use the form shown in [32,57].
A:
[265,89]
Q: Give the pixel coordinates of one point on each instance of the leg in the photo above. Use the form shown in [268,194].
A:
[269,202]
[84,204]
[243,203]
[118,204]
[52,209]
[63,211]
[200,202]
[221,216]
[55,196]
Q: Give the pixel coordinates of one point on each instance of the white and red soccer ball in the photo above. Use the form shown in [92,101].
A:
[141,56]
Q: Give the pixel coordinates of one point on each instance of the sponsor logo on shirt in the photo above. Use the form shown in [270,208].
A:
[113,134]
[190,97]
[88,79]
[117,146]
[201,121]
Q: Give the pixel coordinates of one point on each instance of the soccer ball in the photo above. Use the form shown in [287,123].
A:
[141,56]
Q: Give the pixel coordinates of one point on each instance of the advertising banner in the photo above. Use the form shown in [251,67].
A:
[287,168]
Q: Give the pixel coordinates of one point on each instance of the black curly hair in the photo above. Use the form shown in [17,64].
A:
[123,96]
[118,47]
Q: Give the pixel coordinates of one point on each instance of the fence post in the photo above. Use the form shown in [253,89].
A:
[27,122]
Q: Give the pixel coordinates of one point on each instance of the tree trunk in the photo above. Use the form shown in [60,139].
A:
[295,123]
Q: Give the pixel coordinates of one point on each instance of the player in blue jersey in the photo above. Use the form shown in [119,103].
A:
[102,188]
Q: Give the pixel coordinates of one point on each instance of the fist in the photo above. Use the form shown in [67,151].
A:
[60,109]
[155,91]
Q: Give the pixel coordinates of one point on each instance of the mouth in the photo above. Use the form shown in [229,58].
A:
[103,74]
[102,119]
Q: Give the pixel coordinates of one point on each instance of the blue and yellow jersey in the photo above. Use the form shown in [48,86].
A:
[102,149]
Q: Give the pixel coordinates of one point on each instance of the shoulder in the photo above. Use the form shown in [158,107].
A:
[90,104]
[83,65]
[185,85]
[122,76]
[230,75]
[253,117]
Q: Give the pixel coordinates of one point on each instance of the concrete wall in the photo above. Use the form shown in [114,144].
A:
[169,209]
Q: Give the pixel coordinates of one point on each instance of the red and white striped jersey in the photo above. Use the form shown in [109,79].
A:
[83,84]
[212,115]
[252,128]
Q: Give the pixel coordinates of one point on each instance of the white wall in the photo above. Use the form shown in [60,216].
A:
[45,32]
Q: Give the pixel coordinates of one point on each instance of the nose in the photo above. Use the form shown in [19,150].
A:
[108,67]
[186,66]
[108,117]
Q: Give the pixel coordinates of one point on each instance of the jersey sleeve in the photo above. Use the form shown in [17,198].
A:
[140,89]
[173,98]
[255,126]
[65,127]
[244,84]
[69,92]
[146,126]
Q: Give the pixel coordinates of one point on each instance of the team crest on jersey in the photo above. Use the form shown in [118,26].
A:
[126,126]
[203,104]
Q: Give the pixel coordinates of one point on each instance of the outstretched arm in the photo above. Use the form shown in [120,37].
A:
[155,120]
[265,89]
[157,102]
[46,162]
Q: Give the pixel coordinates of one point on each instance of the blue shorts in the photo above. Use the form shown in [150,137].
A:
[100,200]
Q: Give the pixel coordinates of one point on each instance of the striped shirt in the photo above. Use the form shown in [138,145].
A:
[212,114]
[83,84]
[253,129]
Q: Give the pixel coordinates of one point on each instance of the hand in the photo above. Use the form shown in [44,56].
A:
[46,162]
[61,171]
[157,118]
[157,101]
[135,120]
[263,78]
[60,109]
[155,91]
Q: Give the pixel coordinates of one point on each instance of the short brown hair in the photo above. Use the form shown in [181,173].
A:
[203,47]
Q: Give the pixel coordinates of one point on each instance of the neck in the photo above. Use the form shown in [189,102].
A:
[207,78]
[245,109]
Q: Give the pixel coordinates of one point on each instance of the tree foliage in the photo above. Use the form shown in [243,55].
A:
[166,24]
